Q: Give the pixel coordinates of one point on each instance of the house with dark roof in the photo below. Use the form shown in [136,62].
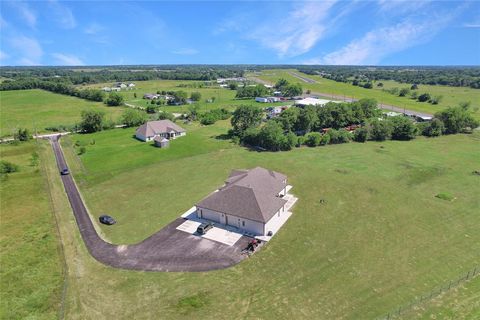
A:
[251,200]
[161,128]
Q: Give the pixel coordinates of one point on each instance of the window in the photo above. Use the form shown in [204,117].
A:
[243,223]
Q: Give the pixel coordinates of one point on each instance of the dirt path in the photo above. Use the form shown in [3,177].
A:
[167,250]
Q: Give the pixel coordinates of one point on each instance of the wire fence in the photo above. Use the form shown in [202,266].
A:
[432,294]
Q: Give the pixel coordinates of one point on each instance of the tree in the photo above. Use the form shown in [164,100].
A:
[379,130]
[368,85]
[180,96]
[196,96]
[192,113]
[307,119]
[21,134]
[402,128]
[424,97]
[233,86]
[313,139]
[414,86]
[164,115]
[355,82]
[434,129]
[281,83]
[288,118]
[457,119]
[360,134]
[271,137]
[133,117]
[403,92]
[436,99]
[251,92]
[292,90]
[135,95]
[151,109]
[114,99]
[414,95]
[380,84]
[244,117]
[92,121]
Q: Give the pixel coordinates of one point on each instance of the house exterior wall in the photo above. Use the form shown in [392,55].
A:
[273,221]
[141,137]
[247,225]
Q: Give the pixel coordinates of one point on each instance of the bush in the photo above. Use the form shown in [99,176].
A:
[403,92]
[368,85]
[434,129]
[114,99]
[436,99]
[338,136]
[21,134]
[360,134]
[7,167]
[379,130]
[313,139]
[82,150]
[402,128]
[133,117]
[196,96]
[457,119]
[325,140]
[92,121]
[424,97]
[300,141]
[151,109]
[164,115]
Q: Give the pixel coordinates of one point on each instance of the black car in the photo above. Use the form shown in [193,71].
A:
[204,227]
[64,172]
[107,220]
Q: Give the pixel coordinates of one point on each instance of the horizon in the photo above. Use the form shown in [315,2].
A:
[357,33]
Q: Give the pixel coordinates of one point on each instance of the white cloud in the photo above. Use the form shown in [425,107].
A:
[94,28]
[67,60]
[63,15]
[29,49]
[297,32]
[27,14]
[186,51]
[3,55]
[399,7]
[471,25]
[376,44]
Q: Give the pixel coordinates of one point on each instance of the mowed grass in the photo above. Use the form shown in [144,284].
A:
[380,238]
[224,98]
[31,268]
[452,96]
[37,109]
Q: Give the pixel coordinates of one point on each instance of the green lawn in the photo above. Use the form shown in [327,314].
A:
[38,109]
[452,96]
[30,262]
[380,239]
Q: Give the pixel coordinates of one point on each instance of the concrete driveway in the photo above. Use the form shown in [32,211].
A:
[167,250]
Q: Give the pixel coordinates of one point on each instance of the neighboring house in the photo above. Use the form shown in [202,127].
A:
[261,99]
[267,99]
[150,96]
[161,128]
[107,89]
[131,85]
[251,200]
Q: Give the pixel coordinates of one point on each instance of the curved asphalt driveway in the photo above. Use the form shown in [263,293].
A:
[167,250]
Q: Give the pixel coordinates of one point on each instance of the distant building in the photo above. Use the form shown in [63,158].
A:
[267,99]
[150,96]
[161,142]
[161,128]
[312,102]
[261,99]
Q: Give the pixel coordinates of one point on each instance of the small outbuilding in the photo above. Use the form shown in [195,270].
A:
[161,142]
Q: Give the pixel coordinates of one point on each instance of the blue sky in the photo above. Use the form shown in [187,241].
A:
[382,32]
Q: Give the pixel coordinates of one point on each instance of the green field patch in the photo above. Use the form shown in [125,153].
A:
[445,196]
[192,303]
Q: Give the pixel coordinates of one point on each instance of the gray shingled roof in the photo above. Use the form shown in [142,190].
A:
[152,128]
[249,194]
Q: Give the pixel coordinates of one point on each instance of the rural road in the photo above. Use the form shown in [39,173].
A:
[348,99]
[167,250]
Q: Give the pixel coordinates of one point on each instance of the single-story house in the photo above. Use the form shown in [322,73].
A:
[267,99]
[131,85]
[261,99]
[161,128]
[312,102]
[251,200]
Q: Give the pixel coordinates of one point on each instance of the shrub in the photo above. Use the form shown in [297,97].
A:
[402,128]
[325,140]
[196,96]
[164,115]
[403,92]
[7,167]
[457,119]
[151,109]
[360,134]
[92,121]
[133,117]
[313,139]
[338,136]
[379,130]
[82,150]
[114,99]
[436,99]
[424,97]
[21,134]
[434,128]
[300,141]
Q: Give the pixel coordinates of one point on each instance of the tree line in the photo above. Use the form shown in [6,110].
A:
[315,125]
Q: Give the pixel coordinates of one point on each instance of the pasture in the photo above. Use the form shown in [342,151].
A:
[31,277]
[379,239]
[37,109]
[223,98]
[452,96]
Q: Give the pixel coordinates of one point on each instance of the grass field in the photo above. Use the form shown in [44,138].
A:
[38,109]
[31,268]
[380,239]
[224,98]
[452,96]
